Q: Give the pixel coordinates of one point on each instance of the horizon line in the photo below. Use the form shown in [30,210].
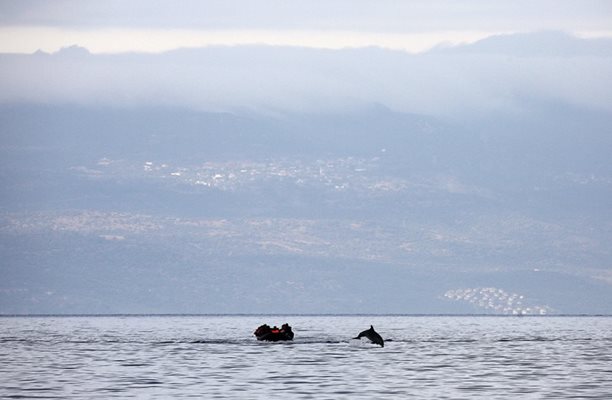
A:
[17,315]
[30,40]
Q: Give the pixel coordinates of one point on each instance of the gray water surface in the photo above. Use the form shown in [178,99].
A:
[217,357]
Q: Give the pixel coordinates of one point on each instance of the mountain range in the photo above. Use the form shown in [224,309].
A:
[287,180]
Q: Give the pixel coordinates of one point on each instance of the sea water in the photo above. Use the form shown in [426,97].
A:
[217,357]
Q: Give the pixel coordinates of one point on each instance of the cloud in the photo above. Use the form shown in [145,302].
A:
[162,25]
[121,40]
[343,15]
[460,83]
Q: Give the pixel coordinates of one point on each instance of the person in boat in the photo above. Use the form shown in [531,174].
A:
[263,330]
[286,329]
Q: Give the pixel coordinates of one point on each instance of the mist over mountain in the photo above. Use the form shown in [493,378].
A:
[538,44]
[361,180]
[493,75]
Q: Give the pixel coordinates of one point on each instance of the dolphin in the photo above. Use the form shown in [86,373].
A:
[372,335]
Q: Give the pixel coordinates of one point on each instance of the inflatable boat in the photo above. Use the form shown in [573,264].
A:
[274,334]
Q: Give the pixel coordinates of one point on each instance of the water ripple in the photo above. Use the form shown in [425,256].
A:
[218,357]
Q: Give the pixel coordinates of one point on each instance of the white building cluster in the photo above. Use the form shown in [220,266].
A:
[338,174]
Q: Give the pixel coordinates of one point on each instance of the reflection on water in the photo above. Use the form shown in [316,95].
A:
[219,358]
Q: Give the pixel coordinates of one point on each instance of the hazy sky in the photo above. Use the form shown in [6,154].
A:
[157,25]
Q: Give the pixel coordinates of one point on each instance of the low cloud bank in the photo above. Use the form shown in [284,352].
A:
[496,75]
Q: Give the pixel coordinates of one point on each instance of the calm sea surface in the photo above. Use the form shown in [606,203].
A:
[218,358]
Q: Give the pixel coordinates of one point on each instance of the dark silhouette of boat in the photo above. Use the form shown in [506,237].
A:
[274,334]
